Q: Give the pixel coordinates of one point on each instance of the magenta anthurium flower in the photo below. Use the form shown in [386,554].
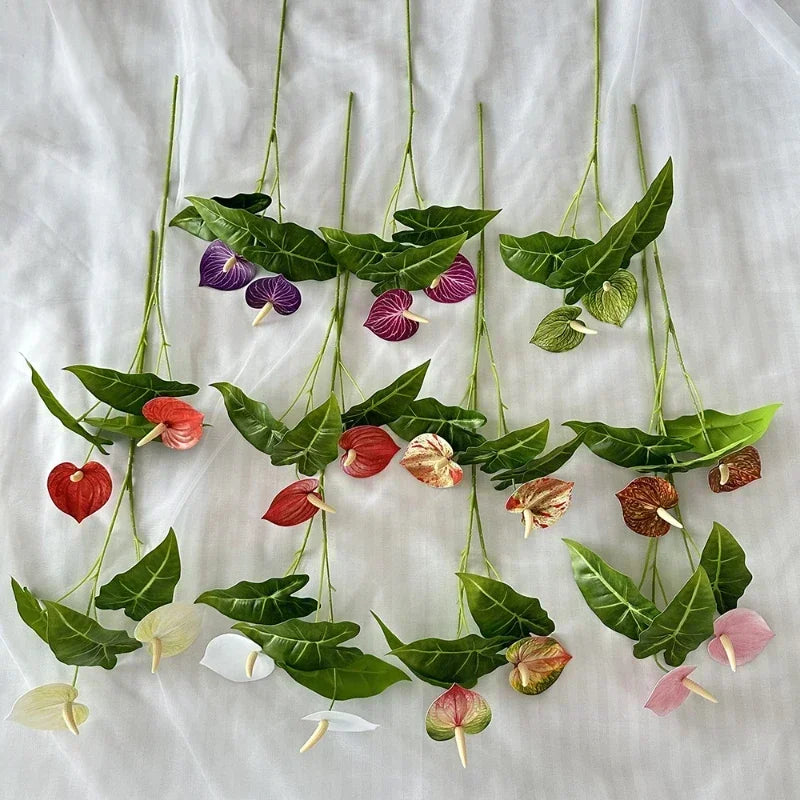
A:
[673,689]
[221,268]
[455,284]
[390,318]
[739,636]
[275,292]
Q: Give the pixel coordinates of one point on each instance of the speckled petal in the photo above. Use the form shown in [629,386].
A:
[669,692]
[457,708]
[640,500]
[743,467]
[372,450]
[386,320]
[284,296]
[212,268]
[546,498]
[429,458]
[748,632]
[455,284]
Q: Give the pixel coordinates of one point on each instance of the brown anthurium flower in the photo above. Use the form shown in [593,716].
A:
[644,504]
[538,661]
[736,470]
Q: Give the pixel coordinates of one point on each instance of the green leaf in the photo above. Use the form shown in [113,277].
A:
[234,226]
[628,447]
[415,267]
[148,584]
[723,429]
[694,463]
[724,562]
[302,645]
[587,269]
[361,675]
[267,603]
[29,610]
[539,467]
[251,418]
[389,403]
[62,415]
[515,449]
[190,220]
[615,299]
[455,424]
[554,333]
[612,595]
[501,611]
[314,442]
[683,625]
[441,222]
[128,392]
[359,252]
[131,425]
[651,212]
[77,639]
[539,255]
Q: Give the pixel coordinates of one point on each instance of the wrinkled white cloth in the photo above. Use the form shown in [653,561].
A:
[84,125]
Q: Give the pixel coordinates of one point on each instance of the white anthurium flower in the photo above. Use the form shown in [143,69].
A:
[336,721]
[168,630]
[237,658]
[51,707]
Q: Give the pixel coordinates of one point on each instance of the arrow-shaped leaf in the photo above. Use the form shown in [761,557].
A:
[723,560]
[515,449]
[441,222]
[251,418]
[538,256]
[314,442]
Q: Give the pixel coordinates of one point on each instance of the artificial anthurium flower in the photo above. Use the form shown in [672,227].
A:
[673,689]
[168,630]
[51,707]
[429,458]
[221,268]
[390,318]
[735,471]
[79,491]
[542,502]
[644,504]
[275,292]
[368,451]
[178,424]
[739,636]
[297,503]
[538,661]
[237,659]
[455,284]
[336,721]
[454,713]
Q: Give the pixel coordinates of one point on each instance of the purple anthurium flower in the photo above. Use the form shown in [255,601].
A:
[390,318]
[455,284]
[275,292]
[221,268]
[673,689]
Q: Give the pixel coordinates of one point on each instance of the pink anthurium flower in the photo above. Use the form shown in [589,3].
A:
[221,268]
[455,284]
[538,661]
[735,471]
[368,451]
[275,292]
[644,504]
[179,425]
[390,318]
[297,503]
[542,502]
[79,491]
[739,636]
[673,689]
[429,458]
[456,712]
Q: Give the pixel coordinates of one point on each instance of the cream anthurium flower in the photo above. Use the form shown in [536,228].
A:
[336,721]
[168,630]
[51,707]
[237,658]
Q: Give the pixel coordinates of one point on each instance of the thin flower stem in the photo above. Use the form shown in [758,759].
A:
[298,556]
[647,557]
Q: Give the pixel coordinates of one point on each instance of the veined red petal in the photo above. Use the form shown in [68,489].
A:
[640,501]
[741,468]
[455,284]
[290,506]
[184,424]
[429,458]
[385,318]
[79,491]
[372,449]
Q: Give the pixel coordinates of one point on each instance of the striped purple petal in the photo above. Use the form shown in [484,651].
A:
[221,268]
[455,284]
[284,296]
[388,316]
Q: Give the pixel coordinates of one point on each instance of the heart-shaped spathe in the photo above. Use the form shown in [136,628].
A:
[221,268]
[455,284]
[429,458]
[79,491]
[390,318]
[368,451]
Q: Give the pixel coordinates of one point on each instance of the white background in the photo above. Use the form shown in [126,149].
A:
[84,116]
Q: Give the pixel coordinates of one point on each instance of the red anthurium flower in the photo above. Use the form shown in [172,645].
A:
[673,689]
[390,318]
[297,503]
[739,636]
[455,284]
[735,471]
[369,450]
[542,502]
[644,504]
[178,424]
[79,491]
[456,712]
[429,458]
